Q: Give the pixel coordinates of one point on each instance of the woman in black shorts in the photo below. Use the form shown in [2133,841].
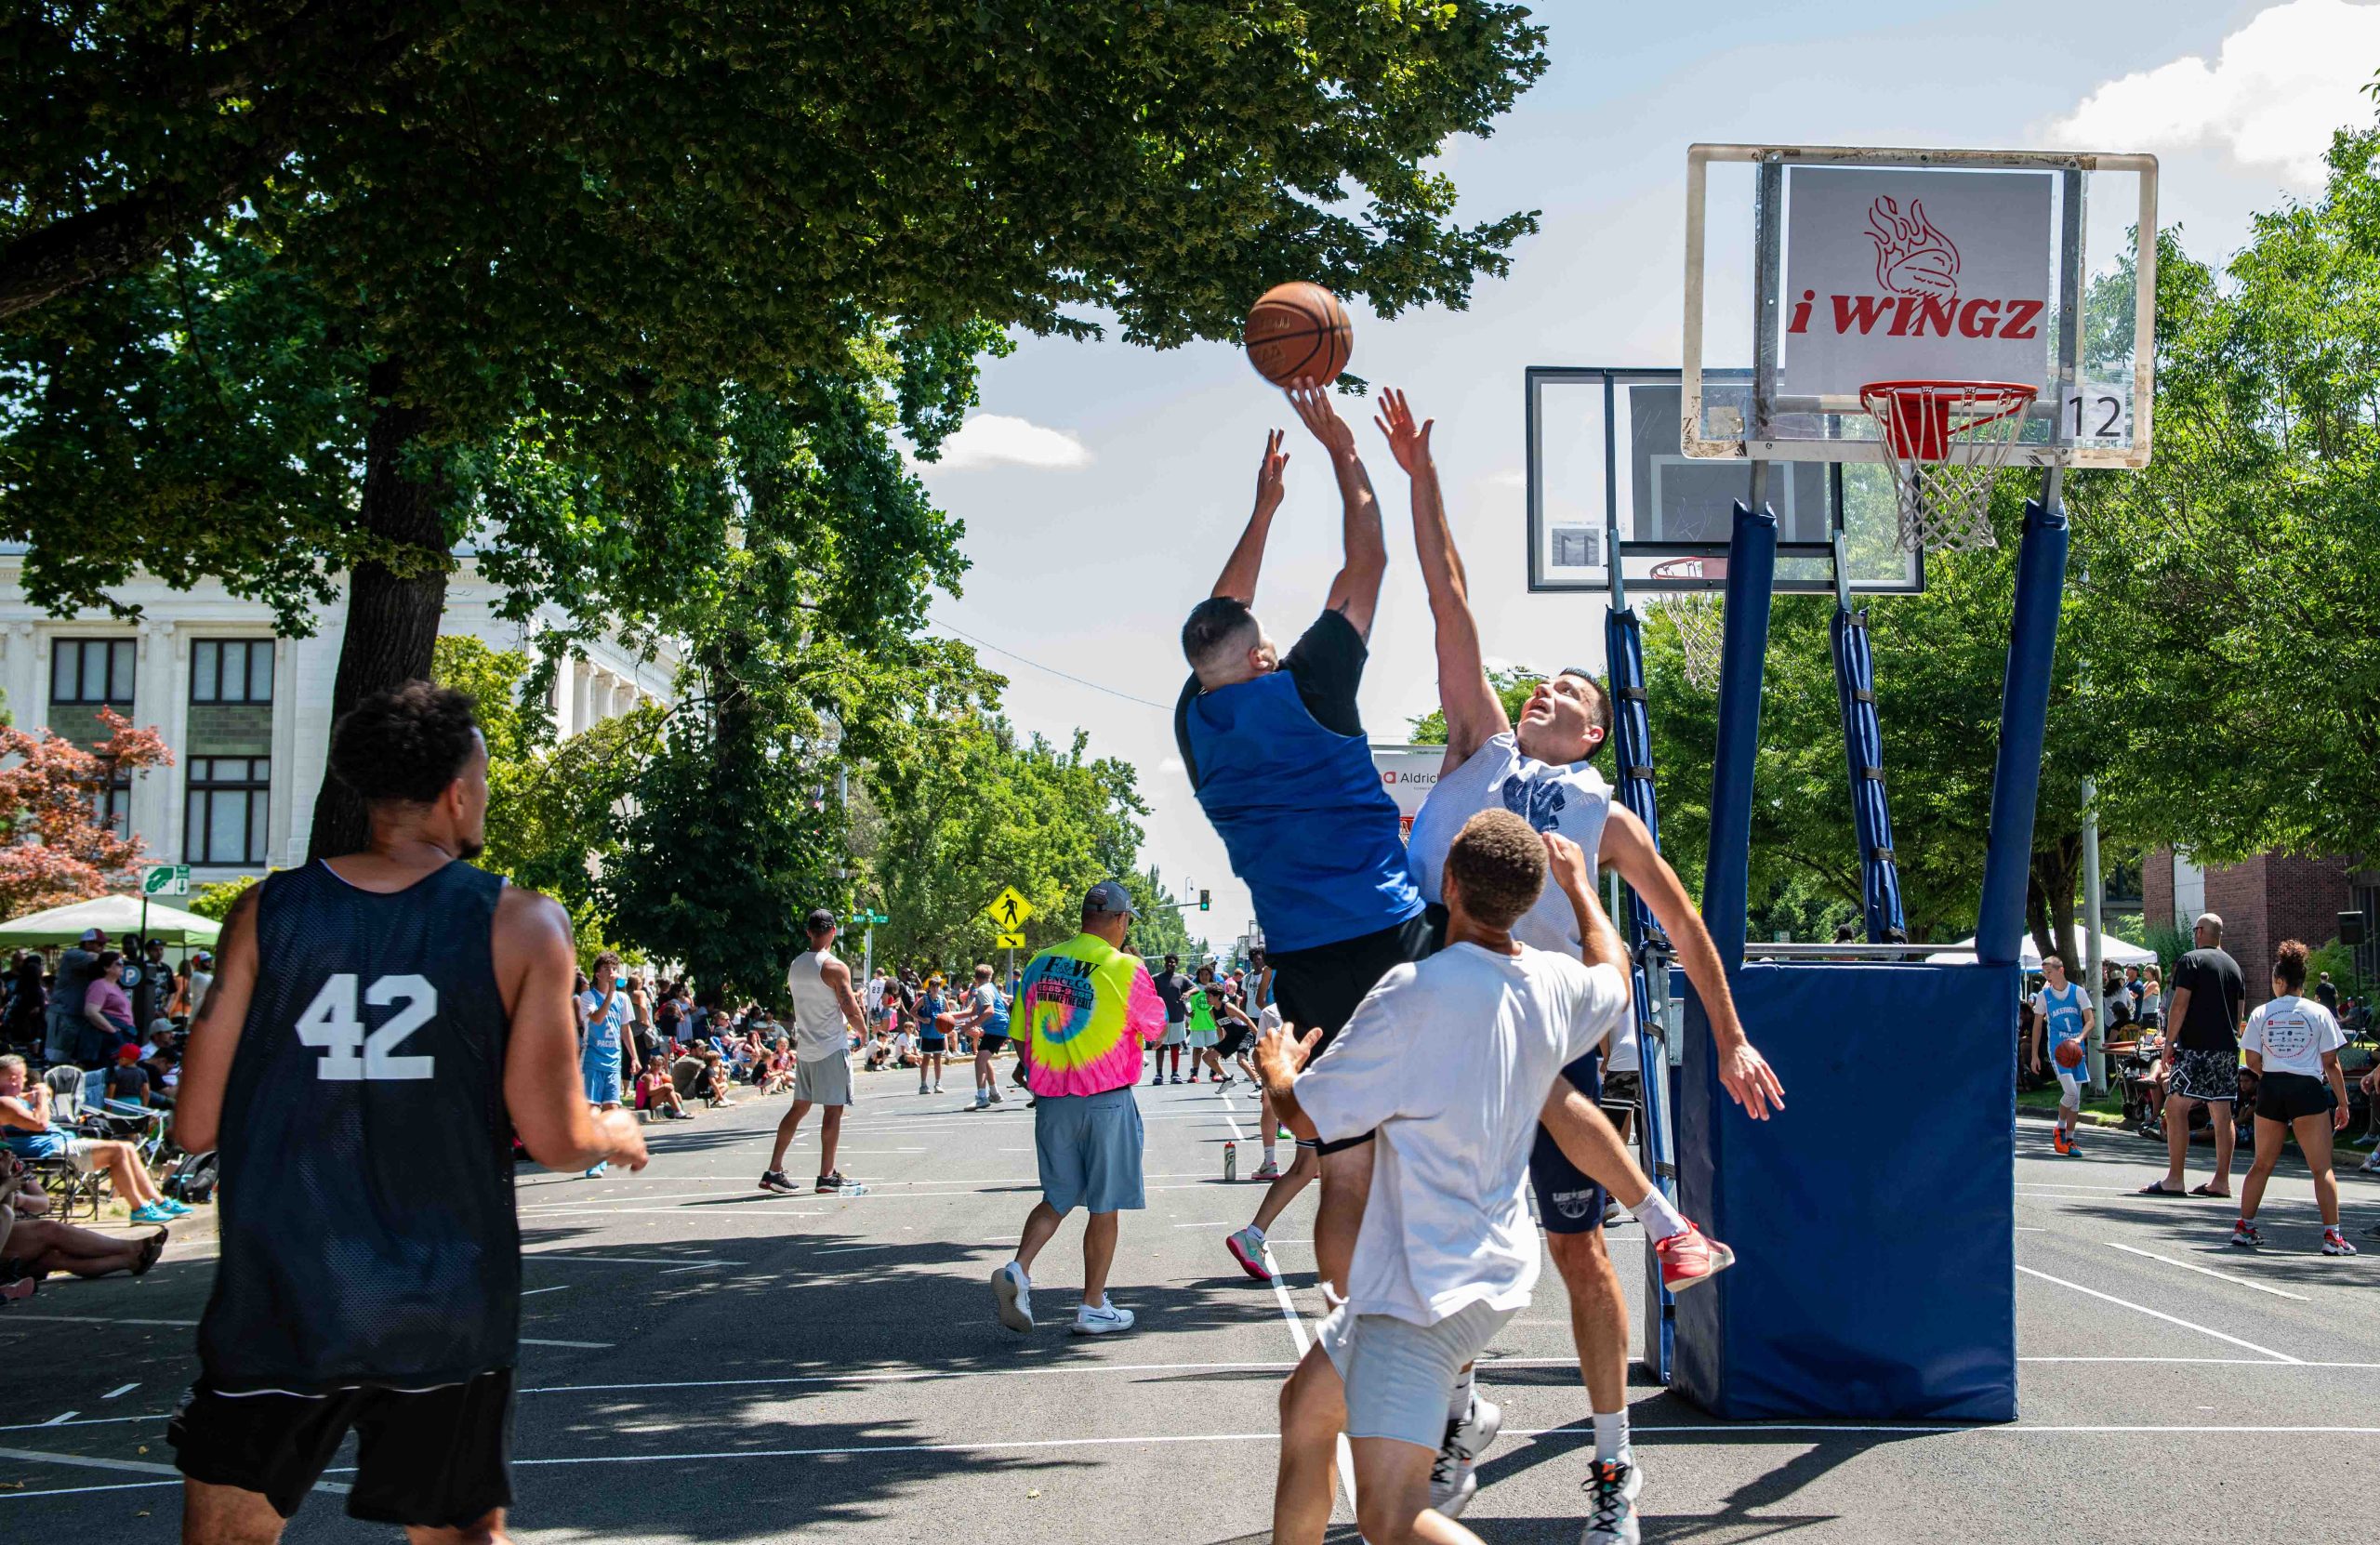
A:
[2293,1045]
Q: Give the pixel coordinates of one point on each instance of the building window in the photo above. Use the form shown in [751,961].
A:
[87,675]
[230,671]
[229,799]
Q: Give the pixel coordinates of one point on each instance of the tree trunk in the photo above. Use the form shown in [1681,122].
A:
[2049,900]
[392,618]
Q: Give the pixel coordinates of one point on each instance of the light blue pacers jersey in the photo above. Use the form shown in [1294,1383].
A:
[2064,1011]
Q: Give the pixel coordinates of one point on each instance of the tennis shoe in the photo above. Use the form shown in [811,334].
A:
[1690,1258]
[2335,1243]
[1452,1481]
[1247,1247]
[1611,1504]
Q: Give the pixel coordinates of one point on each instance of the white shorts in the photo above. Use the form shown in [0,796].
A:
[1399,1376]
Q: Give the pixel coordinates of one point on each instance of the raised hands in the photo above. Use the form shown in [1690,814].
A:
[1570,866]
[1409,445]
[1312,403]
[1268,474]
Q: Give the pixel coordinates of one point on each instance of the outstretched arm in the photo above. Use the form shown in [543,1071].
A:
[1355,592]
[1238,579]
[1473,713]
[1628,848]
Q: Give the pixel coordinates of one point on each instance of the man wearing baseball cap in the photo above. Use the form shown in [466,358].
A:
[1081,1019]
[76,967]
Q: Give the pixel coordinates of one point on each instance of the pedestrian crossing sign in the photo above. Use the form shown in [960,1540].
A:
[1008,940]
[1009,909]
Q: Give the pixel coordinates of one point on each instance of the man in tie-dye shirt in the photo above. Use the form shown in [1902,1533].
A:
[1081,1017]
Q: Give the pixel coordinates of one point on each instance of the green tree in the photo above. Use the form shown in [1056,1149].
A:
[986,808]
[296,291]
[216,900]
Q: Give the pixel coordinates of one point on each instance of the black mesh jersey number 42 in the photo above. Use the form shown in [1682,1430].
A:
[368,1233]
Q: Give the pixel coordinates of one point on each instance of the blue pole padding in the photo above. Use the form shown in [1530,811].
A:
[1631,743]
[1871,819]
[1752,572]
[2024,724]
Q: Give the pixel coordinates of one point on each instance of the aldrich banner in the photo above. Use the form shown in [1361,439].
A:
[1408,772]
[1896,275]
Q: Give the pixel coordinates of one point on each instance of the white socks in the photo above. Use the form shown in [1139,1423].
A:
[1459,1406]
[1612,1436]
[1661,1220]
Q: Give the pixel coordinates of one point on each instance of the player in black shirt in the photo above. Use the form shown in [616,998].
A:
[380,1026]
[2209,1005]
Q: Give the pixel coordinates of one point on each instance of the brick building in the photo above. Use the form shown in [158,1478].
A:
[2262,900]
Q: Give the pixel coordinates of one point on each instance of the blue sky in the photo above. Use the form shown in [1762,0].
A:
[1105,484]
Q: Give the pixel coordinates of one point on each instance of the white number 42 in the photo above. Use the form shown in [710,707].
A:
[351,1055]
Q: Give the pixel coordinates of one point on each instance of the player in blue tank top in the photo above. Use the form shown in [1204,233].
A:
[1277,755]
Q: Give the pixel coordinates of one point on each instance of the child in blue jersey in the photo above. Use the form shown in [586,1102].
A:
[605,1007]
[933,1036]
[2062,1016]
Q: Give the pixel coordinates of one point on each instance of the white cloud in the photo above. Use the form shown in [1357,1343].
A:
[999,440]
[2273,96]
[1170,764]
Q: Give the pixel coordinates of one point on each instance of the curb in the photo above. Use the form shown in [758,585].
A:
[2090,1118]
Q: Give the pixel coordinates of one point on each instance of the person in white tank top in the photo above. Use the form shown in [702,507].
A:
[826,1014]
[1539,770]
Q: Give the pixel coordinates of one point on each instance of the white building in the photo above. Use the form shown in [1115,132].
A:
[246,712]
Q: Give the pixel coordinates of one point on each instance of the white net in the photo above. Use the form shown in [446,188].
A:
[1943,442]
[1700,620]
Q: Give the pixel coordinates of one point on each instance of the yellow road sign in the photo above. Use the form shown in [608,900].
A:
[1009,909]
[1008,940]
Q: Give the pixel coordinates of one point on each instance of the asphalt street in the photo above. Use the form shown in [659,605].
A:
[707,1362]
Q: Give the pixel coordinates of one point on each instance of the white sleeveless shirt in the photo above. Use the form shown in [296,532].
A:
[1570,799]
[818,1027]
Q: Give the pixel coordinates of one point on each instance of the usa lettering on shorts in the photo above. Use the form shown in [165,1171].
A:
[1573,1204]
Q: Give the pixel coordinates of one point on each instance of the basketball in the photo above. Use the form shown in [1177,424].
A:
[2068,1055]
[1296,330]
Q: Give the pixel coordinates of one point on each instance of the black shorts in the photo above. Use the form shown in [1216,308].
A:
[2286,1097]
[1567,1202]
[434,1458]
[1234,1040]
[1319,988]
[931,1046]
[990,1040]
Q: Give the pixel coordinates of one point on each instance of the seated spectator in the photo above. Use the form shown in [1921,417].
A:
[778,1075]
[904,1049]
[656,1092]
[877,1055]
[26,1130]
[128,1079]
[32,1245]
[712,1082]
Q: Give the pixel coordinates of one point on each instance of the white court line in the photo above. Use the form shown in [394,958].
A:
[697,1266]
[527,1292]
[92,1319]
[2217,1362]
[122,1389]
[136,1467]
[2208,1271]
[82,1491]
[61,1418]
[633,1260]
[906,1375]
[87,1421]
[592,1346]
[2160,1315]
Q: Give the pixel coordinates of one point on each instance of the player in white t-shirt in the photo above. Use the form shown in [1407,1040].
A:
[1451,1062]
[2062,1016]
[1540,769]
[2293,1045]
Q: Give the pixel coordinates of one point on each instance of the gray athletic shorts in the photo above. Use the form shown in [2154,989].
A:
[1177,1033]
[1088,1150]
[826,1081]
[1399,1375]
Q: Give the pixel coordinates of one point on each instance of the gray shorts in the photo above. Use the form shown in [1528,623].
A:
[826,1081]
[1088,1148]
[1176,1032]
[1399,1376]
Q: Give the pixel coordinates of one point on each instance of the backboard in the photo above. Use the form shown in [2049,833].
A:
[1604,457]
[1846,266]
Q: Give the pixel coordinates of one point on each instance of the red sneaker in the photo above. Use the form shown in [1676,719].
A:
[1690,1258]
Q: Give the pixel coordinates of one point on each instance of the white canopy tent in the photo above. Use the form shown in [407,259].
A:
[2113,950]
[115,915]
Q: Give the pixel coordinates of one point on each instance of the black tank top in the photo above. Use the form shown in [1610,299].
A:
[368,1233]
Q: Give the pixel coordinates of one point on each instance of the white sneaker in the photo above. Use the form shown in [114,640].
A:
[1614,1215]
[1452,1484]
[1611,1504]
[1105,1320]
[1012,1290]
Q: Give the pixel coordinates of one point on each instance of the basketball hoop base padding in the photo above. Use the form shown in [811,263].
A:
[1875,1279]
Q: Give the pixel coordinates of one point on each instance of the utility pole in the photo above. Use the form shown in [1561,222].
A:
[2093,968]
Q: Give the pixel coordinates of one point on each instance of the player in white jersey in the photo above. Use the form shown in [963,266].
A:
[1540,770]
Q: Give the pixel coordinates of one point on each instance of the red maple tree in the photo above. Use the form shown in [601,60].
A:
[53,847]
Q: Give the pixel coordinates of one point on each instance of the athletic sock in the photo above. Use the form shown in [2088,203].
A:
[1661,1220]
[1611,1437]
[1459,1406]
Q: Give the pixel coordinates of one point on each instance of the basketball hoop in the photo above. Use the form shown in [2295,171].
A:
[1699,618]
[1943,441]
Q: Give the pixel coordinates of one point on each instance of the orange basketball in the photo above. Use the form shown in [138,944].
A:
[1298,330]
[2068,1055]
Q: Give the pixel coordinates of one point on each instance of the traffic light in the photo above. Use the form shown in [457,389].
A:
[1203,902]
